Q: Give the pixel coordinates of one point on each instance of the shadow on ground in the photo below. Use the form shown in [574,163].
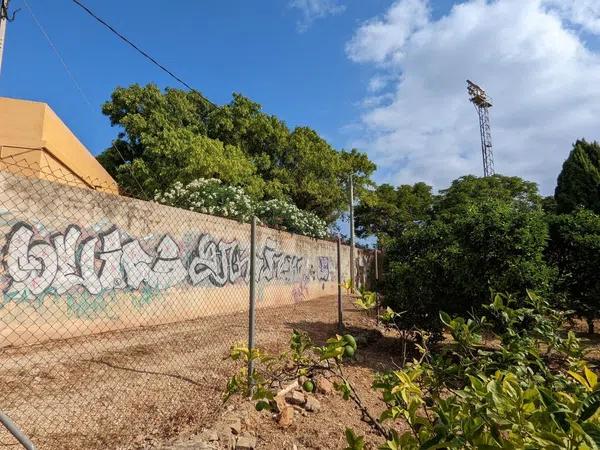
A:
[376,350]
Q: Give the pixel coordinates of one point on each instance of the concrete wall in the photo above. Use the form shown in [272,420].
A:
[34,142]
[77,262]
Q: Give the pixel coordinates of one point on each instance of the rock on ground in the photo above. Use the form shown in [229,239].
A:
[245,442]
[286,418]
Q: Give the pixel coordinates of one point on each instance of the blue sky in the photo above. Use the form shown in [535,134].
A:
[219,47]
[385,76]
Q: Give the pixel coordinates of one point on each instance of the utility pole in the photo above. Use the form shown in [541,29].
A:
[351,233]
[3,22]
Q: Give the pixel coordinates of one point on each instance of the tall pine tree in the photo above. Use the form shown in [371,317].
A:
[578,184]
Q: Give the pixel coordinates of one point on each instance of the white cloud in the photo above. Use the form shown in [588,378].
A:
[379,38]
[542,77]
[584,13]
[312,10]
[378,82]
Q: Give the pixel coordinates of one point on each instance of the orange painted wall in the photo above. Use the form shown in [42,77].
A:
[34,142]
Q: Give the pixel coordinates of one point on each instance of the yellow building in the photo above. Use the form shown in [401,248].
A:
[34,142]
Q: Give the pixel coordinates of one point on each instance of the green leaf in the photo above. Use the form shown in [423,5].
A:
[354,442]
[589,406]
[593,431]
[431,443]
[590,376]
[445,318]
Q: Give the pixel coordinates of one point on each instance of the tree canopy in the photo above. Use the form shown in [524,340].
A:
[578,183]
[447,253]
[575,250]
[470,190]
[453,261]
[386,210]
[173,135]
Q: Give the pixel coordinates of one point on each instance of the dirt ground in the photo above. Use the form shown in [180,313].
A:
[143,388]
[324,429]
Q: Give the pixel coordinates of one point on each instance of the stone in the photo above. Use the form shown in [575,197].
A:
[226,437]
[296,398]
[288,388]
[324,386]
[312,404]
[235,424]
[195,445]
[245,442]
[286,417]
[280,402]
[201,446]
[300,410]
[210,435]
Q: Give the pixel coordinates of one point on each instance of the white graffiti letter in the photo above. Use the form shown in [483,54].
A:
[167,270]
[31,264]
[110,274]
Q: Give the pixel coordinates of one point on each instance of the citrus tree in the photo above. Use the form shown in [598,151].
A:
[531,389]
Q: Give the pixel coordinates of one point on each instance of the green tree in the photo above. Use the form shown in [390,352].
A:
[177,136]
[298,165]
[470,190]
[264,138]
[450,263]
[164,140]
[386,211]
[575,250]
[578,183]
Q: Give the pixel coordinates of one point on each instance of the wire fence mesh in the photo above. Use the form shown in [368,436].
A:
[116,314]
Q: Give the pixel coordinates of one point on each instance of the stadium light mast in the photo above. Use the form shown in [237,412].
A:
[482,104]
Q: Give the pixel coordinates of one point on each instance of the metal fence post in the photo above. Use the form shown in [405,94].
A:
[352,244]
[376,285]
[19,436]
[252,307]
[339,281]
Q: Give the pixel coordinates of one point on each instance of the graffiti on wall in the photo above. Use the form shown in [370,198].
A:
[218,262]
[111,260]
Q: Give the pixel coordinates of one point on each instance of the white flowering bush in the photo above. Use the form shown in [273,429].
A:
[287,216]
[211,196]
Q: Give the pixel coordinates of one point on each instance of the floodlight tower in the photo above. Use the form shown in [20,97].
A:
[482,103]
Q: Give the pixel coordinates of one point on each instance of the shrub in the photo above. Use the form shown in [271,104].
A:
[289,217]
[211,196]
[531,389]
[575,250]
[452,264]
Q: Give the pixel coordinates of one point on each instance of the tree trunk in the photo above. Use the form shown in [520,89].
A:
[590,324]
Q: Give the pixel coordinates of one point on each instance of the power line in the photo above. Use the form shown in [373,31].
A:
[127,41]
[139,50]
[57,53]
[77,85]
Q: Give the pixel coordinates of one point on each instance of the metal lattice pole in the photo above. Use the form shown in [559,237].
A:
[482,104]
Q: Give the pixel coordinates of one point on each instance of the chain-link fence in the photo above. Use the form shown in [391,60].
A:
[116,314]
